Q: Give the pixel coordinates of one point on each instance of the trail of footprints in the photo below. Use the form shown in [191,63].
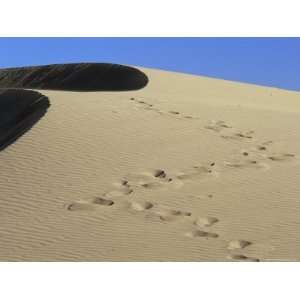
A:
[256,156]
[148,106]
[201,226]
[252,158]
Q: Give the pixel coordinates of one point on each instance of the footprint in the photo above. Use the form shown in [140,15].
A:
[241,257]
[261,148]
[159,173]
[152,185]
[206,221]
[79,206]
[247,135]
[196,172]
[174,112]
[149,180]
[180,213]
[251,163]
[202,197]
[234,164]
[245,153]
[217,126]
[239,136]
[238,244]
[281,157]
[122,183]
[121,192]
[141,206]
[201,233]
[172,215]
[103,201]
[145,105]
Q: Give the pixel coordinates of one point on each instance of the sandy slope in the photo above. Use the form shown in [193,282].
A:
[186,169]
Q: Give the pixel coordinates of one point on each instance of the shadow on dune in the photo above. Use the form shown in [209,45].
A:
[19,111]
[74,77]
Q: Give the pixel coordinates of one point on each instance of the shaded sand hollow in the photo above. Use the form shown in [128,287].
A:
[186,169]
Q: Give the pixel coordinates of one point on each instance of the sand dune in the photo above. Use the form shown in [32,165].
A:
[186,169]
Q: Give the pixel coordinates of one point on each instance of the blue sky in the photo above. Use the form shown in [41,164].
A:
[265,61]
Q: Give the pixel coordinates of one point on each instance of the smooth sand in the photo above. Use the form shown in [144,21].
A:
[187,169]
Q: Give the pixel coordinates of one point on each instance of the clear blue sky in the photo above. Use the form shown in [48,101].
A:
[265,61]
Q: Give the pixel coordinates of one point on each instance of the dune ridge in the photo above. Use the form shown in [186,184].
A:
[74,77]
[20,109]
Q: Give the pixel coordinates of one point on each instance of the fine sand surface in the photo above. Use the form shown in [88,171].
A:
[186,169]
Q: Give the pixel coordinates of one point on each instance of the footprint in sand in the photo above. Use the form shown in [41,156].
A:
[249,163]
[201,233]
[281,157]
[171,214]
[239,136]
[201,197]
[159,178]
[258,153]
[261,148]
[241,257]
[217,126]
[174,112]
[145,105]
[149,180]
[159,173]
[79,206]
[245,153]
[206,221]
[141,206]
[152,185]
[103,201]
[166,179]
[197,172]
[86,206]
[238,244]
[262,151]
[120,192]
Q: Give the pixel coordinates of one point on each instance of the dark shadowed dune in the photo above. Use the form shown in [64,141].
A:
[19,111]
[74,77]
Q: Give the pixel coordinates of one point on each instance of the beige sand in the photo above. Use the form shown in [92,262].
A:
[187,169]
